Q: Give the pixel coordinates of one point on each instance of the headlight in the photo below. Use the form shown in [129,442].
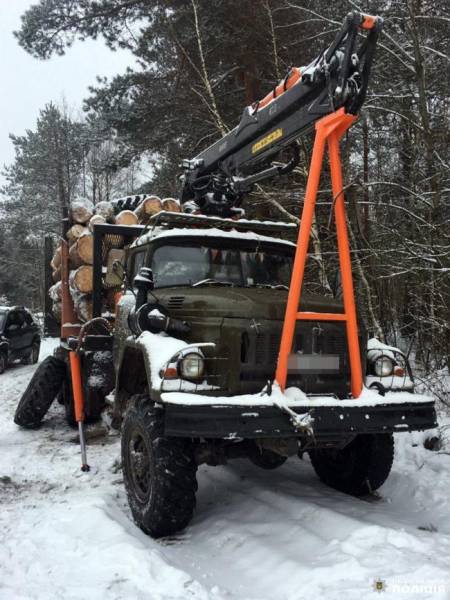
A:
[384,366]
[192,366]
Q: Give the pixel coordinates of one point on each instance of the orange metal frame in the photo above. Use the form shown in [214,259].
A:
[329,131]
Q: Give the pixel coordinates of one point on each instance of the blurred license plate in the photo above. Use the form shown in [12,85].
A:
[313,363]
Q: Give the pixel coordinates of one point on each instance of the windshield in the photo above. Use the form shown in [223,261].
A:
[206,265]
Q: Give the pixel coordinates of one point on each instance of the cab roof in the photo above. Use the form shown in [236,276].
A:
[171,224]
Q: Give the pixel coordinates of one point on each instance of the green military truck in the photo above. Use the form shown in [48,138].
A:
[192,349]
[194,346]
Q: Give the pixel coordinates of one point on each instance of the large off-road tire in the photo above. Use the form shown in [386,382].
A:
[96,403]
[3,362]
[266,459]
[40,393]
[358,469]
[159,471]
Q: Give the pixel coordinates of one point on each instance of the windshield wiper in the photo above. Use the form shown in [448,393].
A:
[210,281]
[275,286]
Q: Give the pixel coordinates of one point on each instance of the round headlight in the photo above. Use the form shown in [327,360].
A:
[384,366]
[192,366]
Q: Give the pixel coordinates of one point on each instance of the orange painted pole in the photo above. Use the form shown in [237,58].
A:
[298,268]
[77,386]
[78,400]
[345,264]
[329,129]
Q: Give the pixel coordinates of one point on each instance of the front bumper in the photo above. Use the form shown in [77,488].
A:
[331,420]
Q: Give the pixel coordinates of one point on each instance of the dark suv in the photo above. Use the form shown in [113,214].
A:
[19,336]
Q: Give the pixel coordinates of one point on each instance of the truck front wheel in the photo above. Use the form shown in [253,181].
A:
[159,471]
[358,469]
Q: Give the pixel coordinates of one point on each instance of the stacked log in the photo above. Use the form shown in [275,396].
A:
[55,294]
[147,208]
[96,219]
[105,209]
[127,217]
[83,216]
[75,232]
[171,205]
[81,211]
[81,280]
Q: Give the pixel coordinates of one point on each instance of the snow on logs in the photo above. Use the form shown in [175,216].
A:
[83,216]
[81,210]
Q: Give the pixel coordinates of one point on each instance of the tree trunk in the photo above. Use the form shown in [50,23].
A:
[148,207]
[96,219]
[83,307]
[74,258]
[81,280]
[56,260]
[85,248]
[171,205]
[81,212]
[126,217]
[106,210]
[75,232]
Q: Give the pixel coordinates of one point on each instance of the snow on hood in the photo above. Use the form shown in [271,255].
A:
[160,348]
[159,233]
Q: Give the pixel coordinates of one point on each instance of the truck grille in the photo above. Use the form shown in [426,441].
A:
[310,338]
[266,348]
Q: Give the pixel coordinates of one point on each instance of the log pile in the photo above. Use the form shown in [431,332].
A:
[83,216]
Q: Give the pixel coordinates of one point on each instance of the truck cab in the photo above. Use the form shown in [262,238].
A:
[231,288]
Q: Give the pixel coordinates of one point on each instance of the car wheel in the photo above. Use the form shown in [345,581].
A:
[159,471]
[33,356]
[35,349]
[3,363]
[95,402]
[358,469]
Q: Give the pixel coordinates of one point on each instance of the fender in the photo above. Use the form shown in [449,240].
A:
[133,375]
[138,373]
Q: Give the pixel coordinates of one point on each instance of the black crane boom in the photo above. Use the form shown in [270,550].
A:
[217,179]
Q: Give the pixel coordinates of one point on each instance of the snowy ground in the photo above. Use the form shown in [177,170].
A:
[256,534]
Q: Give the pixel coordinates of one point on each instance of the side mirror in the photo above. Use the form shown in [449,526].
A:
[143,283]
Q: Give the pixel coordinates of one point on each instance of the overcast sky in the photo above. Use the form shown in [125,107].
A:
[29,83]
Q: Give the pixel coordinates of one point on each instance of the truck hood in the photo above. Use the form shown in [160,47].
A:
[229,302]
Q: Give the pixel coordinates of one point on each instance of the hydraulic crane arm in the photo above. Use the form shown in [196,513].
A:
[217,179]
